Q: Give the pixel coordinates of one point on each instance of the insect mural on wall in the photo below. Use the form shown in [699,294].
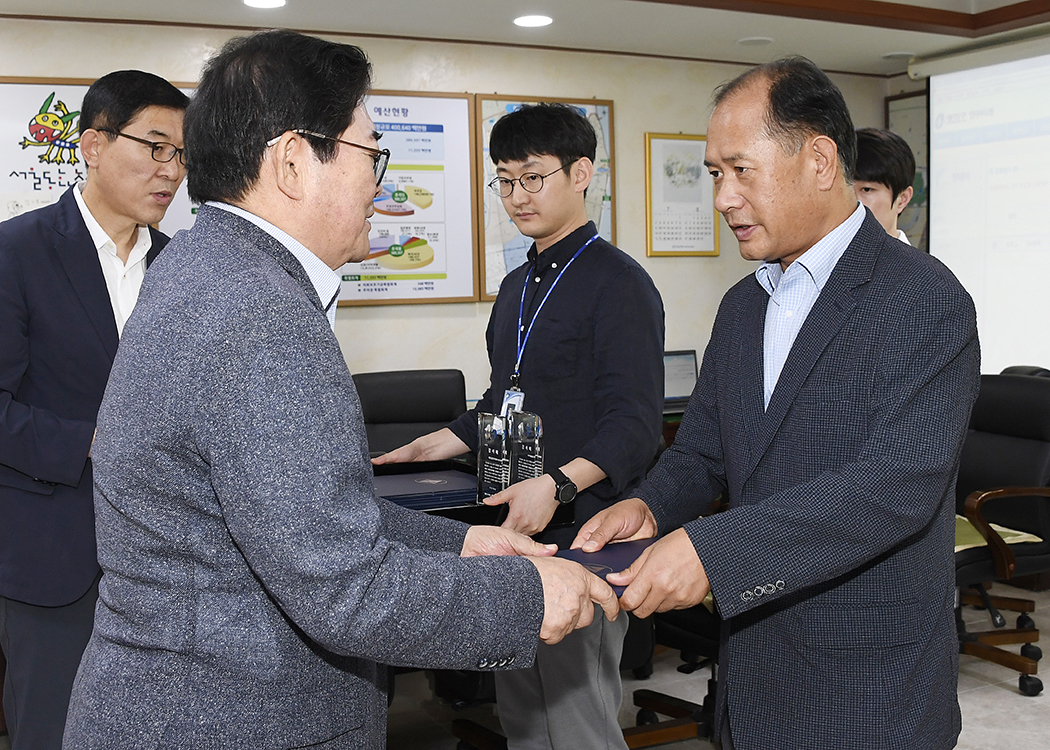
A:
[55,131]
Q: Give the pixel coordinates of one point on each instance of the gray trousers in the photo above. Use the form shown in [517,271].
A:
[570,698]
[43,646]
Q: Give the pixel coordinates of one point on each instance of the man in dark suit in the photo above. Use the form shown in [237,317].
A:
[253,582]
[829,413]
[69,278]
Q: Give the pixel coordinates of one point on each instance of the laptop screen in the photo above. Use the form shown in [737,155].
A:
[679,374]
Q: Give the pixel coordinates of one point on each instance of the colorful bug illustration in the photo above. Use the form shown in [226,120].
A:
[54,131]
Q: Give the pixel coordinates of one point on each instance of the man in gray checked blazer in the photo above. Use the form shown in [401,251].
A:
[829,412]
[253,583]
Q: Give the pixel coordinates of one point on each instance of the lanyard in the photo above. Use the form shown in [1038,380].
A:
[521,311]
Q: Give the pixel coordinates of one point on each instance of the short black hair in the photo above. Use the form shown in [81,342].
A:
[117,98]
[886,158]
[258,87]
[802,102]
[558,130]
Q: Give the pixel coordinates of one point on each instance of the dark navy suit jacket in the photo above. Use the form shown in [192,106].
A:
[833,568]
[58,338]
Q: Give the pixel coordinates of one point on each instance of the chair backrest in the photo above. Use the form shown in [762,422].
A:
[401,405]
[1008,445]
[1040,372]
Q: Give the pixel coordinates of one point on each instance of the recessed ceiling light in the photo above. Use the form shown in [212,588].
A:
[755,41]
[533,21]
[898,55]
[264,3]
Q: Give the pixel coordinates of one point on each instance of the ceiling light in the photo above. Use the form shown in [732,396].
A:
[755,41]
[898,56]
[264,3]
[533,21]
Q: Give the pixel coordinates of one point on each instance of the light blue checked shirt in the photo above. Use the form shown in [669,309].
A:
[793,292]
[326,281]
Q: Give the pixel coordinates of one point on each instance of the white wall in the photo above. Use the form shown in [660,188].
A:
[649,95]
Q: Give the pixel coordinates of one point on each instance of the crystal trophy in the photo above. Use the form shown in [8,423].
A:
[526,446]
[493,455]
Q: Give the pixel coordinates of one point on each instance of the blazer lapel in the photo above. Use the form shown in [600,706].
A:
[749,348]
[79,260]
[829,313]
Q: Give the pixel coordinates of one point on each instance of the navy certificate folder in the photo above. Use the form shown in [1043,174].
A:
[612,558]
[428,490]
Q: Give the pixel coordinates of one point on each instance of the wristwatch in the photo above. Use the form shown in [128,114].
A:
[564,488]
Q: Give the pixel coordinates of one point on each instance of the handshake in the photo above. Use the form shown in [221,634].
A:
[667,575]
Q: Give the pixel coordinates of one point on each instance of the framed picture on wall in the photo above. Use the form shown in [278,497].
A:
[906,116]
[503,247]
[680,217]
[424,234]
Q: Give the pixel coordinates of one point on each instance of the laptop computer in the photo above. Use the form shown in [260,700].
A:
[680,371]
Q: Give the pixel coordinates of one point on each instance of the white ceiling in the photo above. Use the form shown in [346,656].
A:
[651,28]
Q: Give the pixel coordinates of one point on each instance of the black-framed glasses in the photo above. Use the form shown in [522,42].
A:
[530,182]
[161,151]
[380,156]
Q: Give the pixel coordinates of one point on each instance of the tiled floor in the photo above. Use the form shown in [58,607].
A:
[995,714]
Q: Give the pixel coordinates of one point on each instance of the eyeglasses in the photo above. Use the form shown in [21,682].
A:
[530,182]
[161,151]
[380,157]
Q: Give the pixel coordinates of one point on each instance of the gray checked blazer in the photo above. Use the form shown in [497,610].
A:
[253,583]
[833,569]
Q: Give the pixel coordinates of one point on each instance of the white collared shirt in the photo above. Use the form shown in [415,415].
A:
[793,292]
[326,281]
[123,280]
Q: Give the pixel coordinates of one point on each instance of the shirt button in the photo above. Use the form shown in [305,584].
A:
[788,313]
[537,279]
[554,265]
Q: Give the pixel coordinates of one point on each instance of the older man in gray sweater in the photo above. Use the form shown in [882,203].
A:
[252,582]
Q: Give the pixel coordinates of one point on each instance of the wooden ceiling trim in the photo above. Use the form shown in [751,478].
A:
[1016,16]
[889,15]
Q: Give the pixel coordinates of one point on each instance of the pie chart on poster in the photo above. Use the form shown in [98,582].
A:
[403,254]
[400,201]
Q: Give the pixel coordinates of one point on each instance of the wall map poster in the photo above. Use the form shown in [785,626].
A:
[423,234]
[504,247]
[40,148]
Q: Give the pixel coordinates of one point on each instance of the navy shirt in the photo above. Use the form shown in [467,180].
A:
[593,366]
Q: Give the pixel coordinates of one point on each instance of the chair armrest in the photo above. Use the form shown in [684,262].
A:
[1005,562]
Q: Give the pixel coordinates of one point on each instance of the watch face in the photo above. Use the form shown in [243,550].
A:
[567,493]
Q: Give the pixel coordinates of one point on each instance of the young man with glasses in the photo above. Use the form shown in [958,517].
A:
[70,275]
[579,330]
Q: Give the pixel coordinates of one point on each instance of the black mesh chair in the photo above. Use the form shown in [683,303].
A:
[401,405]
[695,633]
[1034,370]
[1004,478]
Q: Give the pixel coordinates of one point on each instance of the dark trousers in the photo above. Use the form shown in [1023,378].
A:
[43,646]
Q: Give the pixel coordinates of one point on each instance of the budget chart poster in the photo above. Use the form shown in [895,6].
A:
[40,147]
[424,235]
[504,247]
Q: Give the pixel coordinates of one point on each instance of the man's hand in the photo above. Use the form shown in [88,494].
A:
[668,575]
[626,521]
[437,446]
[531,504]
[569,595]
[493,540]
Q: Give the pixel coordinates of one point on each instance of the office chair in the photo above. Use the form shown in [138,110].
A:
[695,633]
[401,405]
[1035,370]
[1003,479]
